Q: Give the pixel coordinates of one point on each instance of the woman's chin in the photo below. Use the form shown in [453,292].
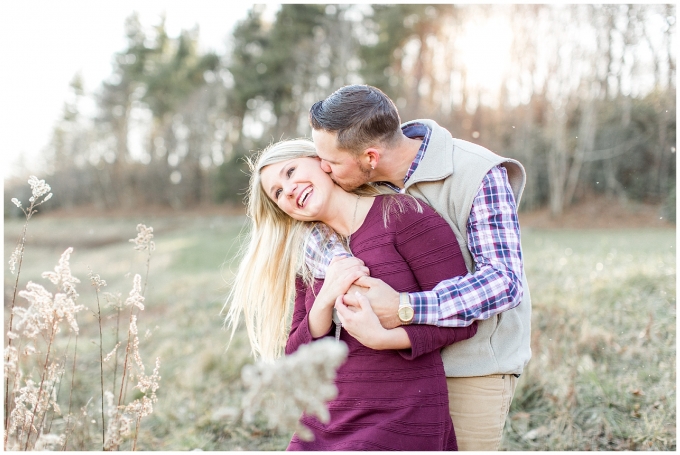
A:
[303,217]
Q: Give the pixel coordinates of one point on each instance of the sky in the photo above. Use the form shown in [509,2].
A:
[46,42]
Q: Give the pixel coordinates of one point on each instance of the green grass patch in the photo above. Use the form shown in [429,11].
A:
[602,375]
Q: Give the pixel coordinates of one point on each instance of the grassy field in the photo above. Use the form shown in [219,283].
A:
[602,376]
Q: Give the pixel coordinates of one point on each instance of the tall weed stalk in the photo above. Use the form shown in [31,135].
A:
[40,194]
[33,332]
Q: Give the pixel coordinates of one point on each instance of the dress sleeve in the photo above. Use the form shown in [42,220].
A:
[429,247]
[299,329]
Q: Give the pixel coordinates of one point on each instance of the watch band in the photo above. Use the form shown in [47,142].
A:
[404,300]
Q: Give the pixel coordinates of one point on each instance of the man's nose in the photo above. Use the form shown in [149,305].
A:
[325,167]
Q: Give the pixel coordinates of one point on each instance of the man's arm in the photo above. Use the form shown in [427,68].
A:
[496,284]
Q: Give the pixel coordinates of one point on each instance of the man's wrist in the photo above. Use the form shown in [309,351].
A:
[393,319]
[405,311]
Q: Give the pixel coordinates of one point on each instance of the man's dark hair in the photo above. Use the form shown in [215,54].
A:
[361,115]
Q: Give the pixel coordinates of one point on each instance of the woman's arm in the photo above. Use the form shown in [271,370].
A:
[340,274]
[309,325]
[299,329]
[411,340]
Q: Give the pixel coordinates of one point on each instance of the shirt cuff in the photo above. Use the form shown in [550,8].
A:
[425,307]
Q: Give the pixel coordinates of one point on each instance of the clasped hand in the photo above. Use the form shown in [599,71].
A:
[367,307]
[340,274]
[359,319]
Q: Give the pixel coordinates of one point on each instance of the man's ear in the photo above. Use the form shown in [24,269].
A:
[372,156]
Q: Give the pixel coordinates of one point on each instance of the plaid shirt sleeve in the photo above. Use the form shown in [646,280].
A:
[319,253]
[494,242]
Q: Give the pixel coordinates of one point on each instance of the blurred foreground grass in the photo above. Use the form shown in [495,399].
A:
[602,376]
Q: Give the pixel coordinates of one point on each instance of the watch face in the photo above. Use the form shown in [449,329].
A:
[406,314]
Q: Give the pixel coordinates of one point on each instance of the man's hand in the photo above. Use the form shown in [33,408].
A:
[383,299]
[364,325]
[361,322]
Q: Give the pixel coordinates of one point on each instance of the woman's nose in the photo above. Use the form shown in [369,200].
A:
[289,188]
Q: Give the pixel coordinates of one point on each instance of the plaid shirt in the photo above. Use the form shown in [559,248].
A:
[494,242]
[319,253]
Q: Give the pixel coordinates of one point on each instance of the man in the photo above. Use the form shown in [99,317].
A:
[359,138]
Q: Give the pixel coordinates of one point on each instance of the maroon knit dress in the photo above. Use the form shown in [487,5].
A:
[390,399]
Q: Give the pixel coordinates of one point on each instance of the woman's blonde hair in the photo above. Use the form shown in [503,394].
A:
[264,285]
[263,288]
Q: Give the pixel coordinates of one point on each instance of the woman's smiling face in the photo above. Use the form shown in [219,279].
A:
[299,187]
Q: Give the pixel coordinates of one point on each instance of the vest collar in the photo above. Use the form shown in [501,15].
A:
[437,162]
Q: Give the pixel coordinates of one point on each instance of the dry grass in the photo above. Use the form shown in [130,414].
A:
[602,374]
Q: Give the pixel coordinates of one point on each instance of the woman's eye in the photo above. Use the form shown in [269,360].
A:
[289,172]
[277,193]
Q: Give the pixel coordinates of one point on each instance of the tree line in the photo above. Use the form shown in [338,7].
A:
[586,101]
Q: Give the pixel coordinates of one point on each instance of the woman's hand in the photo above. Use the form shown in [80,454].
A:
[363,324]
[340,274]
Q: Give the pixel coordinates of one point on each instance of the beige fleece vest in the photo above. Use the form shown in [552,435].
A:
[448,179]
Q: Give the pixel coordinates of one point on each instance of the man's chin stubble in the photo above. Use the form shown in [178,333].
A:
[349,187]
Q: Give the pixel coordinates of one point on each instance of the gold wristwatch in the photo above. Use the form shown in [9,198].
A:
[405,311]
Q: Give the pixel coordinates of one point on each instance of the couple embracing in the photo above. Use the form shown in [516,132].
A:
[404,243]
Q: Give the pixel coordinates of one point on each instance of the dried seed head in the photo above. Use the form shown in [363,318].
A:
[96,280]
[38,187]
[135,297]
[62,274]
[144,241]
[46,311]
[301,382]
[150,382]
[39,315]
[110,354]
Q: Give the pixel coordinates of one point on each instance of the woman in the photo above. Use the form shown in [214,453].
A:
[392,391]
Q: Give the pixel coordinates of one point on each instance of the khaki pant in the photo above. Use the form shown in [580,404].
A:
[478,407]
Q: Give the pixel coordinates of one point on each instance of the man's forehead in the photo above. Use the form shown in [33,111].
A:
[325,137]
[327,147]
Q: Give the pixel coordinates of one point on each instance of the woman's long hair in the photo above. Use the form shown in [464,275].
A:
[264,285]
[272,254]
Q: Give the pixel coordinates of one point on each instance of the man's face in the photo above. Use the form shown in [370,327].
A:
[344,168]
